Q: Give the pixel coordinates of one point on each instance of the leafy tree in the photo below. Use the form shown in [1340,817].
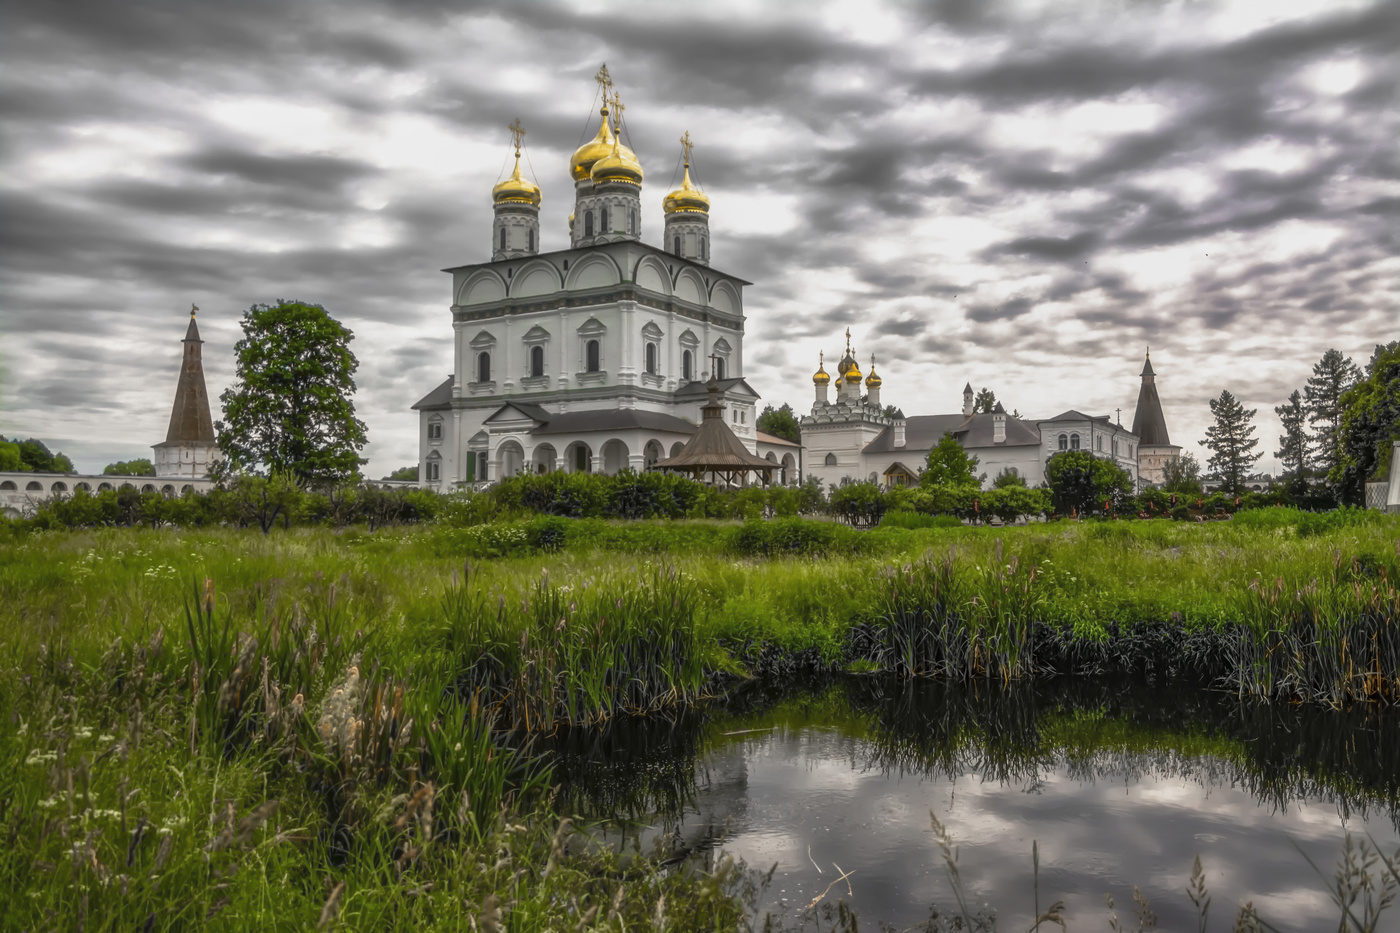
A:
[949,465]
[859,504]
[408,472]
[1331,377]
[1182,474]
[1230,443]
[263,500]
[1081,483]
[129,468]
[780,422]
[1370,424]
[892,412]
[984,402]
[1293,443]
[35,457]
[1008,478]
[10,459]
[290,409]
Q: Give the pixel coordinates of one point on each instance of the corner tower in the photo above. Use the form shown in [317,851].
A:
[516,230]
[687,231]
[1155,449]
[189,448]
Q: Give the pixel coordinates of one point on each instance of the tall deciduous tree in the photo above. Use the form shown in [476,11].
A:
[780,422]
[1293,443]
[290,410]
[1230,443]
[1330,378]
[1081,483]
[1182,474]
[950,465]
[1370,426]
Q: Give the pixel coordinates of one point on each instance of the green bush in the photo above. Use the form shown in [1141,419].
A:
[792,536]
[860,504]
[919,520]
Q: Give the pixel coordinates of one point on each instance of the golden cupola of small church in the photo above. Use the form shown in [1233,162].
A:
[516,229]
[821,377]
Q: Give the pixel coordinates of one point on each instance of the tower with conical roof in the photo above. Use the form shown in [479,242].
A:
[1155,448]
[189,448]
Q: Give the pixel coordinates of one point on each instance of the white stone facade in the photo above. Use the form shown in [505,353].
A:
[21,494]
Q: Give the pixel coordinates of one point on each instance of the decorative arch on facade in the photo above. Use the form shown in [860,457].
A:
[651,274]
[725,297]
[8,486]
[677,447]
[535,278]
[432,468]
[653,453]
[510,458]
[482,287]
[789,470]
[543,459]
[596,271]
[690,287]
[578,458]
[831,460]
[615,456]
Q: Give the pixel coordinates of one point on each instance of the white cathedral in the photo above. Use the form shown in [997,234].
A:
[593,358]
[596,358]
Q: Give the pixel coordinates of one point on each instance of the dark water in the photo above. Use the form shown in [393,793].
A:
[1121,784]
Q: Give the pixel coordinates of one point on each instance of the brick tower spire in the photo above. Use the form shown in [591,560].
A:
[189,448]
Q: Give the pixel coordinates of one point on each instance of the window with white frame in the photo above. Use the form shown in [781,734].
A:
[435,428]
[483,366]
[536,361]
[1074,442]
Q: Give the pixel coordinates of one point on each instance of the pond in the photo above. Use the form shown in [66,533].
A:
[1118,783]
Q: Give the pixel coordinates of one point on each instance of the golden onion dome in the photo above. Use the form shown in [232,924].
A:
[873,381]
[853,374]
[600,146]
[686,198]
[515,189]
[821,377]
[619,165]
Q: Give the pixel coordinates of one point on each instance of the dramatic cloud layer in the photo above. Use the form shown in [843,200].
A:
[1003,193]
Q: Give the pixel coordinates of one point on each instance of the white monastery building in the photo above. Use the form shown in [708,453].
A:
[592,358]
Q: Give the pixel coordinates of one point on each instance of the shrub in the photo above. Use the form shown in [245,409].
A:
[919,520]
[859,504]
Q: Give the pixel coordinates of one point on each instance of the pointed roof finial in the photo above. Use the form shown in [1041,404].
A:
[686,146]
[604,81]
[193,309]
[848,341]
[517,135]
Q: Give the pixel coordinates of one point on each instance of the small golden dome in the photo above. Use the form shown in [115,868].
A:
[600,146]
[687,198]
[619,165]
[821,377]
[873,381]
[853,374]
[515,189]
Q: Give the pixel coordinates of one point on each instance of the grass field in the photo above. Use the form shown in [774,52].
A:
[314,727]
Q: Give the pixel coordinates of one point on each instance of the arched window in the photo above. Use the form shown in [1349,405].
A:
[632,221]
[831,460]
[676,241]
[591,361]
[1074,442]
[503,238]
[1064,442]
[537,361]
[483,367]
[719,367]
[686,361]
[603,221]
[531,240]
[434,465]
[435,429]
[588,223]
[651,358]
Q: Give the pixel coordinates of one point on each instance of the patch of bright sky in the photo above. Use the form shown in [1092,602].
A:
[1271,155]
[1333,76]
[1190,187]
[103,151]
[1074,133]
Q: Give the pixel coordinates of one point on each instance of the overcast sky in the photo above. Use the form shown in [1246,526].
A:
[1019,195]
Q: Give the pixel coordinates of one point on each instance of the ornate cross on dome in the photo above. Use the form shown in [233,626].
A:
[848,341]
[517,133]
[604,81]
[193,308]
[686,146]
[617,106]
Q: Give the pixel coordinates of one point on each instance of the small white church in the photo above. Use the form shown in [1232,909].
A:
[593,358]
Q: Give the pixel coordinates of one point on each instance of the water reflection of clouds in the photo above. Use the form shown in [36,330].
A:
[1138,826]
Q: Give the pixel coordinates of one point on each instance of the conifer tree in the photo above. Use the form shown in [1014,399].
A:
[1230,443]
[1331,377]
[985,402]
[1293,443]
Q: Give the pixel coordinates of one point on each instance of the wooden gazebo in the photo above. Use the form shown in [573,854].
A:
[714,450]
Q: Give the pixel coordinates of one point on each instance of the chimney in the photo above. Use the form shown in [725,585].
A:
[967,400]
[998,424]
[899,423]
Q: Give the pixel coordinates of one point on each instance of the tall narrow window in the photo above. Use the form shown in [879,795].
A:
[632,221]
[537,361]
[531,240]
[686,372]
[676,242]
[651,358]
[592,363]
[603,218]
[503,238]
[1074,442]
[1064,442]
[719,367]
[703,249]
[435,430]
[483,367]
[588,223]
